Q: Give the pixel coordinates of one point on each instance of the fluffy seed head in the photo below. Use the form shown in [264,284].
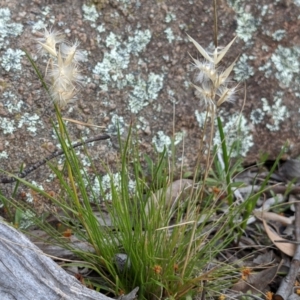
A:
[226,94]
[213,82]
[49,40]
[71,53]
[63,72]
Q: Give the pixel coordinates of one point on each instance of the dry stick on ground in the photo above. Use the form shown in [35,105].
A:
[53,155]
[27,273]
[286,286]
[277,189]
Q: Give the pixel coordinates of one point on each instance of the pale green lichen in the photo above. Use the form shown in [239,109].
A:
[264,9]
[201,118]
[237,5]
[144,124]
[7,126]
[44,19]
[8,28]
[3,154]
[28,217]
[100,28]
[257,116]
[96,189]
[154,85]
[112,70]
[112,65]
[125,3]
[178,137]
[161,141]
[170,17]
[242,70]
[90,13]
[11,103]
[286,61]
[116,61]
[37,185]
[297,2]
[116,125]
[166,57]
[31,122]
[247,25]
[239,138]
[115,179]
[46,10]
[267,68]
[37,26]
[277,111]
[278,35]
[138,97]
[112,41]
[246,22]
[114,15]
[138,42]
[169,34]
[11,59]
[85,161]
[284,65]
[4,15]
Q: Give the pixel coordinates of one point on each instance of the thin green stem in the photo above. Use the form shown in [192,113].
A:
[37,71]
[226,161]
[189,249]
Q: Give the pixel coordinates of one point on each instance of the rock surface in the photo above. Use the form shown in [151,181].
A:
[138,70]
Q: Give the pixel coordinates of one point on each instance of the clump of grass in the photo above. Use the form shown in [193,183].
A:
[166,249]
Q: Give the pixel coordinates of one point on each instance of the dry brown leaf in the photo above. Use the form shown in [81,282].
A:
[177,190]
[256,282]
[285,247]
[266,258]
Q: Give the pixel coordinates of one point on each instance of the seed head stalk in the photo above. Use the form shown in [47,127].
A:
[213,88]
[215,24]
[62,75]
[61,82]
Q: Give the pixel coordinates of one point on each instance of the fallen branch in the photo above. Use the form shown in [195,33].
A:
[27,273]
[287,284]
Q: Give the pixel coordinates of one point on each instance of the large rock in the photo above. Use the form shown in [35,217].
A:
[138,70]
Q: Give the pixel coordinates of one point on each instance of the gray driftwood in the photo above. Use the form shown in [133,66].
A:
[27,273]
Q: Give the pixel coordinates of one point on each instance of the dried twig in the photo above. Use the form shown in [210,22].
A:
[280,189]
[53,155]
[277,189]
[286,286]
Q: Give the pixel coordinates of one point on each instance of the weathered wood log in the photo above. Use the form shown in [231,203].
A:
[27,273]
[48,245]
